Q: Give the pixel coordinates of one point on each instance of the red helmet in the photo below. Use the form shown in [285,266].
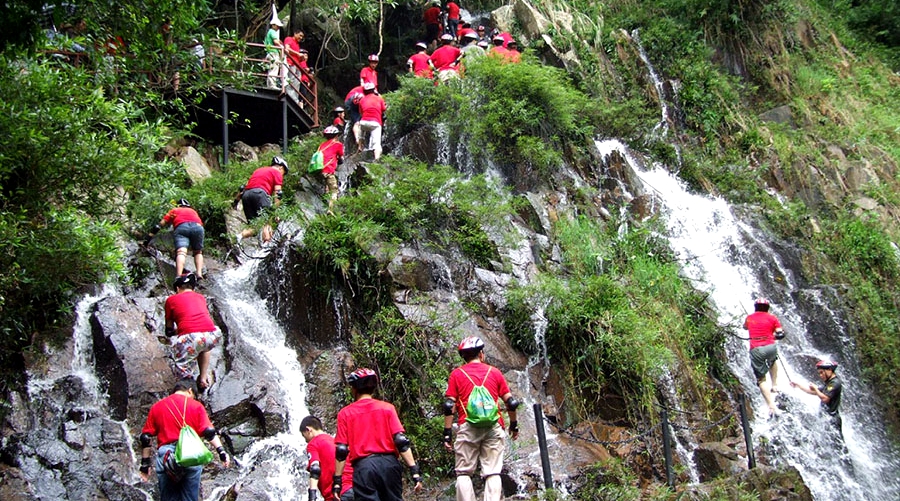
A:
[827,365]
[362,377]
[373,58]
[470,343]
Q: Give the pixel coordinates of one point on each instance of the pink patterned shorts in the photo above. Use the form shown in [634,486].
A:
[186,349]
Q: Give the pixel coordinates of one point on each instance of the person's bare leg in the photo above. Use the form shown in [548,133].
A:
[773,374]
[767,395]
[267,233]
[180,257]
[198,263]
[247,233]
[203,362]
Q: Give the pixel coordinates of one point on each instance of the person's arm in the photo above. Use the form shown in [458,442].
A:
[511,405]
[277,192]
[808,388]
[220,451]
[414,469]
[449,405]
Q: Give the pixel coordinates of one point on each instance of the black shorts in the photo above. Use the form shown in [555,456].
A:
[254,201]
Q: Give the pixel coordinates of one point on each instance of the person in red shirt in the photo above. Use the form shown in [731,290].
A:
[351,103]
[257,194]
[164,421]
[371,109]
[419,64]
[188,232]
[195,333]
[452,18]
[333,155]
[320,449]
[764,328]
[370,437]
[512,53]
[499,49]
[338,121]
[432,20]
[446,58]
[464,29]
[368,74]
[477,445]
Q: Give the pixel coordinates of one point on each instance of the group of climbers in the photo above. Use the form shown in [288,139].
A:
[287,62]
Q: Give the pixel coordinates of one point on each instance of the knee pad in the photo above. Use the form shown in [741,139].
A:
[181,252]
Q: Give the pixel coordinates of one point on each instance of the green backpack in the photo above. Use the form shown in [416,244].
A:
[481,408]
[317,162]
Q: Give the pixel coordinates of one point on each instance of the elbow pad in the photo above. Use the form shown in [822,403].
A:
[512,403]
[448,406]
[278,194]
[145,439]
[210,433]
[315,470]
[341,451]
[401,442]
[155,229]
[170,331]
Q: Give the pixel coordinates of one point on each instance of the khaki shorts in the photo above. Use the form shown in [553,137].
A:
[331,183]
[484,446]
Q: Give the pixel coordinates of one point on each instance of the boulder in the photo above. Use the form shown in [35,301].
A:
[194,164]
[242,152]
[503,18]
[532,22]
[779,115]
[714,459]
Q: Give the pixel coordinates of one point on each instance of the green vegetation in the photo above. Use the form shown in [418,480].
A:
[617,317]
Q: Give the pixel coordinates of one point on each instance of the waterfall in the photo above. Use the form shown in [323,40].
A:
[728,257]
[274,462]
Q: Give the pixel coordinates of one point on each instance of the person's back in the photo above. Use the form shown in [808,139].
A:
[420,64]
[371,108]
[189,311]
[368,426]
[761,327]
[266,179]
[444,57]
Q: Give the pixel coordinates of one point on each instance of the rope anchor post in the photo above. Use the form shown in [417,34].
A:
[667,448]
[542,444]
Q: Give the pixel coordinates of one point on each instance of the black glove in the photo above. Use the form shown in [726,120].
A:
[312,495]
[170,331]
[147,240]
[448,436]
[514,427]
[145,465]
[223,456]
[779,335]
[416,473]
[336,485]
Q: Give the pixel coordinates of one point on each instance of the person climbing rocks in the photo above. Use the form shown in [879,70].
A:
[351,104]
[446,59]
[432,19]
[829,392]
[332,155]
[164,421]
[764,328]
[338,121]
[464,29]
[419,64]
[369,74]
[187,229]
[452,18]
[372,439]
[188,321]
[320,450]
[274,48]
[257,194]
[481,441]
[371,123]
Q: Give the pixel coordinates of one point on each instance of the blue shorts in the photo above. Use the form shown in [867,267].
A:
[189,235]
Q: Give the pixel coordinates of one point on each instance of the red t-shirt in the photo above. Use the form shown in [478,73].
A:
[291,43]
[321,449]
[189,312]
[167,416]
[266,178]
[368,75]
[444,56]
[462,32]
[354,91]
[367,427]
[338,122]
[331,149]
[419,64]
[180,215]
[432,15]
[372,108]
[459,386]
[513,55]
[506,38]
[452,10]
[498,50]
[761,325]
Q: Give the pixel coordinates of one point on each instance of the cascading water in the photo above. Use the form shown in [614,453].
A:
[734,262]
[274,460]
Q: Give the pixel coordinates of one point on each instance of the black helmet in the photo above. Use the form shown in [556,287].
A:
[276,160]
[185,280]
[182,202]
[827,365]
[362,378]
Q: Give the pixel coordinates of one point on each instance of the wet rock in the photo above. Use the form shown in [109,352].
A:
[865,203]
[714,459]
[14,486]
[532,22]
